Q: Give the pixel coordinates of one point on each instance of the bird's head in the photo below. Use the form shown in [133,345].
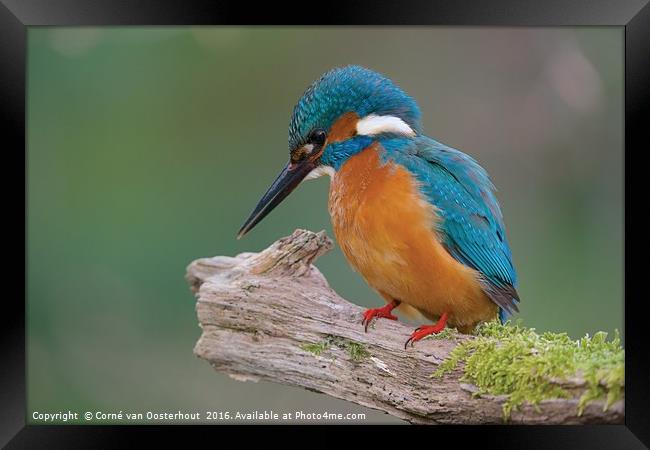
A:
[339,115]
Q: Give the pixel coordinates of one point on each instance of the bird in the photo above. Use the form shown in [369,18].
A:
[417,219]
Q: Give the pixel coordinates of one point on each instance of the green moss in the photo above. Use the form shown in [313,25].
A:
[356,351]
[447,333]
[316,349]
[528,367]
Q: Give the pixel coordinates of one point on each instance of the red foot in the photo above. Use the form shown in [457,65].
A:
[426,330]
[384,312]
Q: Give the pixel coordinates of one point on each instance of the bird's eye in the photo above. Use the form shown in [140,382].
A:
[317,137]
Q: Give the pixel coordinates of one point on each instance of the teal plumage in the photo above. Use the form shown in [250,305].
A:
[472,225]
[350,88]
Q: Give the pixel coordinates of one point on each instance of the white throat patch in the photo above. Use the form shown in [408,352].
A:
[319,172]
[373,124]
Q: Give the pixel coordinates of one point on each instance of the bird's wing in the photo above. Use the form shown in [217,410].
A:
[472,226]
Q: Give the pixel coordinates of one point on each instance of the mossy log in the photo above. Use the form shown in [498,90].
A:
[272,316]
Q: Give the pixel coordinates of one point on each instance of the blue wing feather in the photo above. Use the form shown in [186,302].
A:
[472,226]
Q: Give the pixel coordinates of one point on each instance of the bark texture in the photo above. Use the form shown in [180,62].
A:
[272,316]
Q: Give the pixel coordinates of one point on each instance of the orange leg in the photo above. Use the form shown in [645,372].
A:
[384,311]
[426,330]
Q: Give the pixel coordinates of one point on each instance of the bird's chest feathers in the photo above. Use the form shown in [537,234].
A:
[380,219]
[387,231]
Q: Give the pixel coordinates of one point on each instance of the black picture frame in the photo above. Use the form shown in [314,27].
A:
[17,15]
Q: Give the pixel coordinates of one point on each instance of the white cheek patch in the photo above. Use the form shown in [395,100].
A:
[373,124]
[319,172]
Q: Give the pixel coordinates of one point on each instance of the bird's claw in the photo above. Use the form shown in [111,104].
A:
[426,330]
[373,313]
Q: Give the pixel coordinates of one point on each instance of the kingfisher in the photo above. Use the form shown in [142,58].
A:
[417,219]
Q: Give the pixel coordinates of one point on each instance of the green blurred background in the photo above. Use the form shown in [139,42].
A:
[148,147]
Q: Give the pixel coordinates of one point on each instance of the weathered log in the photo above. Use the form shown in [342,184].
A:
[272,316]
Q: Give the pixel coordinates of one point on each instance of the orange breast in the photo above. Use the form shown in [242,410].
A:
[386,230]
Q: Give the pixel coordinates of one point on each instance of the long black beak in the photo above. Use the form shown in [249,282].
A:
[284,184]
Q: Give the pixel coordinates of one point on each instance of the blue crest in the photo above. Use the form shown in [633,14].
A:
[349,89]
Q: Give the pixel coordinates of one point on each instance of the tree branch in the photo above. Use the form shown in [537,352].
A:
[272,316]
